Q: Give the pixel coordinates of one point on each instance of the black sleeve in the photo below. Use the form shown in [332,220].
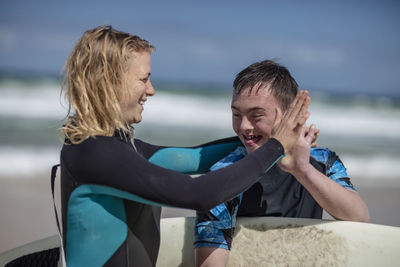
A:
[109,162]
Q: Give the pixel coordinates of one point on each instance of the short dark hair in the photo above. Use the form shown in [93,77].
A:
[260,74]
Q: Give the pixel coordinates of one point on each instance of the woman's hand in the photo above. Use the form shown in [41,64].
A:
[288,128]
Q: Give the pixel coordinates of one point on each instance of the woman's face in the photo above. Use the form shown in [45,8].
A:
[139,86]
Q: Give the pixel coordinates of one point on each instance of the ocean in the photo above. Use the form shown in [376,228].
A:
[364,131]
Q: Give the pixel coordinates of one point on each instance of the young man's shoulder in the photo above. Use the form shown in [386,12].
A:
[322,154]
[231,158]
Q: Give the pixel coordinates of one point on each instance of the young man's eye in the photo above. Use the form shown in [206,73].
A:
[236,116]
[257,116]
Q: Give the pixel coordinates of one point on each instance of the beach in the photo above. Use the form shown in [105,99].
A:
[27,212]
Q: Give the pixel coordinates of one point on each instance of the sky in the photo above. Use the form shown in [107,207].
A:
[337,46]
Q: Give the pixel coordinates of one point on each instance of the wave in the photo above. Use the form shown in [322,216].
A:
[365,135]
[23,162]
[21,102]
[177,109]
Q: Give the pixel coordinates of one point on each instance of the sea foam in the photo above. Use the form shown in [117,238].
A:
[369,134]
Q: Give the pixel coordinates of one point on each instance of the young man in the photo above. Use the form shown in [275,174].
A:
[310,180]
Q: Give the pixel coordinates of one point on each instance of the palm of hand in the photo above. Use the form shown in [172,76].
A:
[297,158]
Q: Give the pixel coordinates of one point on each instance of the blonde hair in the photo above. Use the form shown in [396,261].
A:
[95,82]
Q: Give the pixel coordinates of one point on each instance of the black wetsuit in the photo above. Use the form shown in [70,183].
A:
[111,193]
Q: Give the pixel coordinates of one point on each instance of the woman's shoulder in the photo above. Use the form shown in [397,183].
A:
[96,144]
[95,153]
[146,149]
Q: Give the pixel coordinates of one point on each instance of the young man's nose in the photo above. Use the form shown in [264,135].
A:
[245,124]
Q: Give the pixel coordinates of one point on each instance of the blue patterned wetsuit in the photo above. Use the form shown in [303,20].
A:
[277,194]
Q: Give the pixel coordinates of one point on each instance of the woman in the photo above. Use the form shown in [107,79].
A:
[111,192]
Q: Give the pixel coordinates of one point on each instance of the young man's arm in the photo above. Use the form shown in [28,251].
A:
[340,202]
[215,228]
[211,257]
[214,232]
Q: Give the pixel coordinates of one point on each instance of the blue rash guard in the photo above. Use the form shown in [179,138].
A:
[111,193]
[277,193]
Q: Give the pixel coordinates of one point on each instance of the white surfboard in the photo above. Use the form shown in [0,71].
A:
[272,241]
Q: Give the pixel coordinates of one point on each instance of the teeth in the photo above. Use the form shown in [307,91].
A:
[250,137]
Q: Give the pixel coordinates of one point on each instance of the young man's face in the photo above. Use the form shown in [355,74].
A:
[253,116]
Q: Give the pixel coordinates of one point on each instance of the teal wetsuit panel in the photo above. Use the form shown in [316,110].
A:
[191,160]
[91,209]
[89,213]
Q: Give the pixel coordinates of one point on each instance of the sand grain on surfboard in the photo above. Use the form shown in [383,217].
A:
[287,246]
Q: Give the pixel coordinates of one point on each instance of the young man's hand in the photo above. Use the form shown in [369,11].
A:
[316,134]
[297,160]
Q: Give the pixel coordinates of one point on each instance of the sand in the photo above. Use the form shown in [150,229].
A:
[27,210]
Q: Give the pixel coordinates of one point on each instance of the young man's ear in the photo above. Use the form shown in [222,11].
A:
[278,117]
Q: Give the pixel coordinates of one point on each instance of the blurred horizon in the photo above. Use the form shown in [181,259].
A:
[340,47]
[197,87]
